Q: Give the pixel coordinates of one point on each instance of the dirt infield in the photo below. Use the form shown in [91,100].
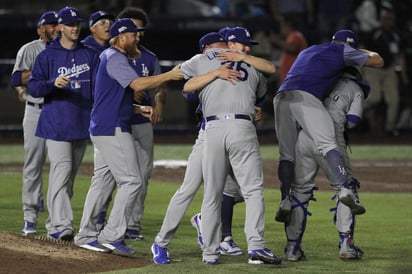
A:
[27,255]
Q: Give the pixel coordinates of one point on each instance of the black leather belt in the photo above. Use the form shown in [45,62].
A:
[228,116]
[35,105]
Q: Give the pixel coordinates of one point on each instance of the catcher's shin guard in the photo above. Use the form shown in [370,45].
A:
[296,226]
[344,219]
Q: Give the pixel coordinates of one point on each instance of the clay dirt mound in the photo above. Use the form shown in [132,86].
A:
[21,254]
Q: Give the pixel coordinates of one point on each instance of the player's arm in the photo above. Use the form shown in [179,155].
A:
[25,76]
[258,63]
[40,84]
[374,59]
[20,78]
[142,83]
[159,101]
[20,92]
[199,82]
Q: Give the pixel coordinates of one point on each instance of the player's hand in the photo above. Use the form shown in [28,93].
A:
[258,114]
[175,73]
[20,93]
[61,82]
[146,111]
[157,115]
[138,97]
[231,56]
[229,74]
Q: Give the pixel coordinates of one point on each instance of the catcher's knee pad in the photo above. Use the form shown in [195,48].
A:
[297,224]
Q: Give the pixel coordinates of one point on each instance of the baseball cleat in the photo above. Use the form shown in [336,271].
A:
[283,213]
[348,198]
[196,223]
[262,256]
[64,235]
[29,229]
[347,249]
[211,262]
[350,253]
[160,254]
[133,234]
[293,253]
[229,247]
[120,248]
[95,246]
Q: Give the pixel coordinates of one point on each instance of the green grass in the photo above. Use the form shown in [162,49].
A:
[384,232]
[14,153]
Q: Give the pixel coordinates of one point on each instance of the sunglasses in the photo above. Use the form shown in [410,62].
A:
[103,22]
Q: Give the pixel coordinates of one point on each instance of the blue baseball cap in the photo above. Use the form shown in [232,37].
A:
[122,26]
[223,31]
[210,38]
[239,35]
[96,16]
[48,18]
[69,16]
[346,36]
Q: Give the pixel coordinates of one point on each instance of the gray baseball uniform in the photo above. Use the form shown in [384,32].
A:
[34,147]
[346,99]
[181,200]
[231,141]
[193,178]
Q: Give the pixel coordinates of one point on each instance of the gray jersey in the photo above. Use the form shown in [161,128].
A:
[239,98]
[345,99]
[24,61]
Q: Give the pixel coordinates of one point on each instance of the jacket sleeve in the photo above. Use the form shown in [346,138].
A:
[40,83]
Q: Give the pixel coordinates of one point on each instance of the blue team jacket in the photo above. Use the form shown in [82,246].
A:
[65,115]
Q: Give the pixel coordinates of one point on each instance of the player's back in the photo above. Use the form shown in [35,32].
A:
[221,96]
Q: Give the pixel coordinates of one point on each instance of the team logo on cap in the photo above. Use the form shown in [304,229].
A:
[122,29]
[231,37]
[73,13]
[350,40]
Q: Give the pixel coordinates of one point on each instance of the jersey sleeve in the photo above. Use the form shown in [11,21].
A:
[354,57]
[354,114]
[119,69]
[188,68]
[40,83]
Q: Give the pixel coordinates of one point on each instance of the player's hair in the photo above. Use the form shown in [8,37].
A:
[134,13]
[113,41]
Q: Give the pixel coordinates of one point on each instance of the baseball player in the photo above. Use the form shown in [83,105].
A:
[99,26]
[63,74]
[230,141]
[115,156]
[193,178]
[231,193]
[345,107]
[298,104]
[98,40]
[145,63]
[34,147]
